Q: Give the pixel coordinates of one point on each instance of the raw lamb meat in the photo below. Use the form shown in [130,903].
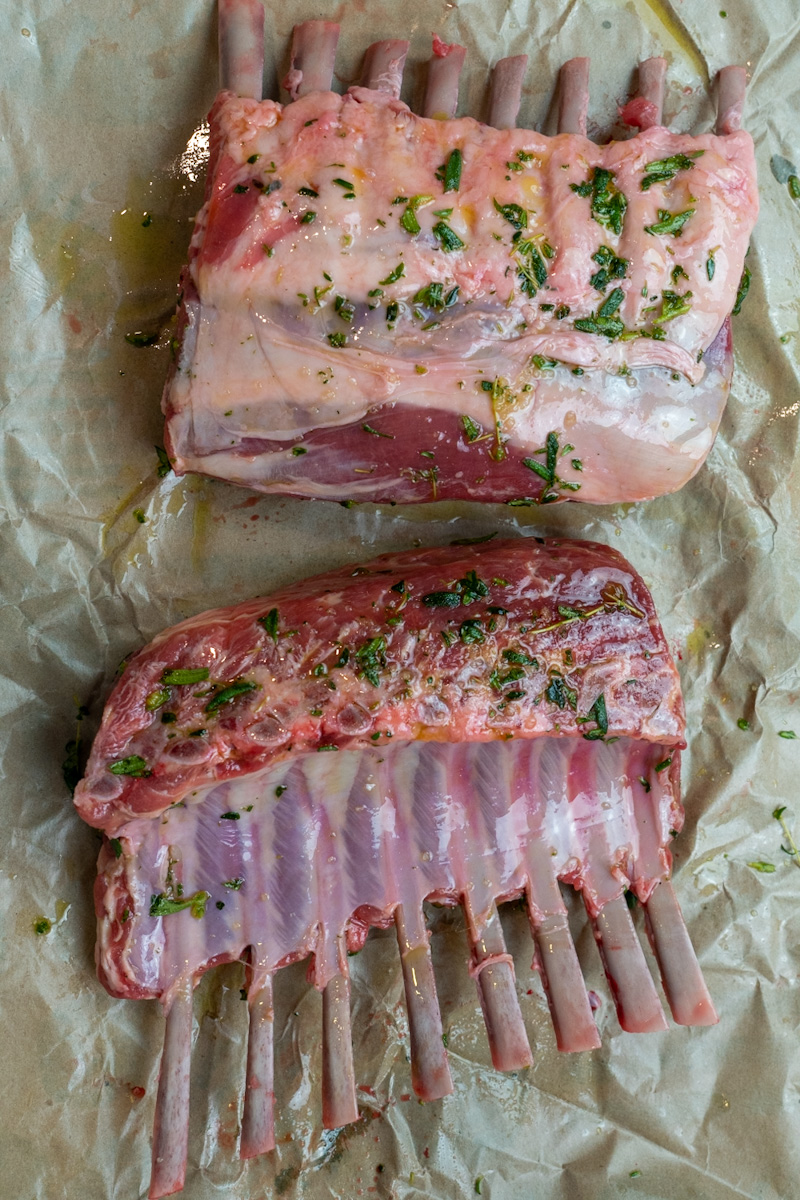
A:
[468,725]
[385,306]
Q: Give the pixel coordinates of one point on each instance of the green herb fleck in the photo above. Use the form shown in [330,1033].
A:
[184,676]
[397,273]
[766,868]
[239,688]
[662,766]
[470,632]
[116,846]
[233,885]
[669,223]
[450,174]
[787,733]
[270,623]
[743,723]
[608,204]
[230,816]
[140,339]
[164,465]
[598,713]
[162,905]
[441,600]
[42,926]
[794,187]
[664,169]
[308,217]
[371,657]
[744,288]
[134,766]
[512,213]
[447,238]
[337,340]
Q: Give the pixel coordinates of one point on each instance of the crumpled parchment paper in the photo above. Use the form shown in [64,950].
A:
[102,166]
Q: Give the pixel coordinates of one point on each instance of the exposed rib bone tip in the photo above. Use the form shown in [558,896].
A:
[573,102]
[313,58]
[506,91]
[731,91]
[171,1129]
[444,70]
[241,47]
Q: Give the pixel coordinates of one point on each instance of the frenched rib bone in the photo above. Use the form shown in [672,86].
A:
[381,305]
[465,725]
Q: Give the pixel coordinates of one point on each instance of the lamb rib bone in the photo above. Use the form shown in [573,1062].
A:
[465,725]
[358,322]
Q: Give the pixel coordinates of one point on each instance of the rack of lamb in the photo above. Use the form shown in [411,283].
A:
[466,725]
[381,305]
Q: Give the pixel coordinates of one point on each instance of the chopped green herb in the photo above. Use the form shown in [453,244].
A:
[371,657]
[134,765]
[743,723]
[447,238]
[676,274]
[472,429]
[308,217]
[472,588]
[450,174]
[391,312]
[559,692]
[766,868]
[156,699]
[562,311]
[139,339]
[230,816]
[673,305]
[377,432]
[669,223]
[516,656]
[479,1185]
[744,288]
[240,188]
[543,364]
[337,340]
[279,790]
[343,183]
[270,623]
[184,676]
[512,213]
[327,746]
[787,733]
[168,718]
[644,782]
[42,926]
[163,905]
[662,766]
[794,187]
[229,693]
[441,600]
[409,221]
[711,267]
[598,713]
[233,885]
[164,465]
[664,169]
[432,296]
[608,204]
[531,268]
[116,846]
[470,631]
[397,273]
[610,327]
[298,450]
[611,267]
[345,308]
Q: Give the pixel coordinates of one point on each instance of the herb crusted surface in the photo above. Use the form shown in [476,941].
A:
[494,641]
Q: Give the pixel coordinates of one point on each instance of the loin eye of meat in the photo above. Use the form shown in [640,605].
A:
[467,725]
[381,305]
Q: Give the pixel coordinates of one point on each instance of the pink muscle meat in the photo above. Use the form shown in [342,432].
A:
[381,305]
[468,725]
